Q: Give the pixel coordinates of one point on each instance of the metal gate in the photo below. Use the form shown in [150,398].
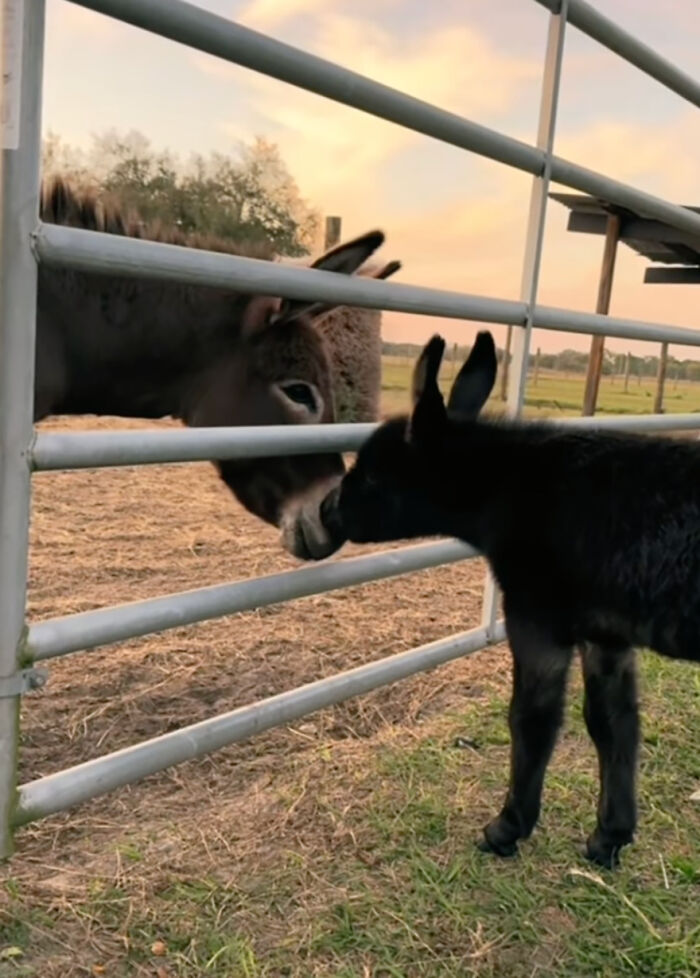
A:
[25,241]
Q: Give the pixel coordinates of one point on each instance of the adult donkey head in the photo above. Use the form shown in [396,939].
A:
[283,373]
[110,345]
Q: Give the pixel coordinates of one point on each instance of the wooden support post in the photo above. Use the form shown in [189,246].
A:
[505,363]
[332,236]
[595,360]
[661,379]
[619,361]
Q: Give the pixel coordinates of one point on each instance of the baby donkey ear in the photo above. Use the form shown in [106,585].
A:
[475,380]
[429,412]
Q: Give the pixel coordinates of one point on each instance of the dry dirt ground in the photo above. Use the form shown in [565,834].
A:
[112,536]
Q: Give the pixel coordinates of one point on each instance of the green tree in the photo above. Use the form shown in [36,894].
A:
[249,197]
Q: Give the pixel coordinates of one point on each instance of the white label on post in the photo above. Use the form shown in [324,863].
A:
[12,20]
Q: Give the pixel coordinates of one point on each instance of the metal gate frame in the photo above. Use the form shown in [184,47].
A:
[25,241]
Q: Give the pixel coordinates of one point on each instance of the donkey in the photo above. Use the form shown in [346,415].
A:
[208,357]
[594,539]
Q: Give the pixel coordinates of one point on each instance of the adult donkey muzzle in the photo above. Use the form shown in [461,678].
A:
[313,529]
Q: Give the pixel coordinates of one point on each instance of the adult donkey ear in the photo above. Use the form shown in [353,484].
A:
[428,406]
[380,271]
[373,271]
[345,259]
[475,380]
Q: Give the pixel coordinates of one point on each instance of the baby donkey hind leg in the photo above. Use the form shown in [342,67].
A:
[612,718]
[540,669]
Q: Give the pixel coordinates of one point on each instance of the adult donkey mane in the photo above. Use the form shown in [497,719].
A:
[112,345]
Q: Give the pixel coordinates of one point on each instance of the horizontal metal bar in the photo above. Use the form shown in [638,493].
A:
[615,192]
[94,251]
[616,39]
[59,636]
[673,276]
[572,321]
[635,422]
[97,449]
[60,791]
[108,253]
[222,38]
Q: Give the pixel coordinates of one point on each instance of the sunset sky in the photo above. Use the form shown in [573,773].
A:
[455,220]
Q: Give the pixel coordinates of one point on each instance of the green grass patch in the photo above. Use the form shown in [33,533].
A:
[553,393]
[382,877]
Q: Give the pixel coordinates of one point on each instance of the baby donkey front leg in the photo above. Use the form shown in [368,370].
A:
[540,669]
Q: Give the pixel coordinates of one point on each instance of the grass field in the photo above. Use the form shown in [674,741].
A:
[341,846]
[355,858]
[555,393]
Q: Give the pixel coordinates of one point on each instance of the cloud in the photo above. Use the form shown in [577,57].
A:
[474,243]
[271,15]
[334,151]
[266,15]
[454,219]
[67,22]
[660,158]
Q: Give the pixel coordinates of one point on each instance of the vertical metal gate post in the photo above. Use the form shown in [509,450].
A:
[519,356]
[19,206]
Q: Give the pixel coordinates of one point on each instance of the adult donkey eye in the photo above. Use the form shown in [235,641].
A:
[301,394]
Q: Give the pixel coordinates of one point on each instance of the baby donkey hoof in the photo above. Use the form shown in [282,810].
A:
[504,849]
[603,854]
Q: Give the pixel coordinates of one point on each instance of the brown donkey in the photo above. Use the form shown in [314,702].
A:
[110,345]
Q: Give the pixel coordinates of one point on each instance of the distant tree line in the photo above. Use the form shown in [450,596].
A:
[573,361]
[249,196]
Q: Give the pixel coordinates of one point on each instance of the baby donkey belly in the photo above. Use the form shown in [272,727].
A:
[672,633]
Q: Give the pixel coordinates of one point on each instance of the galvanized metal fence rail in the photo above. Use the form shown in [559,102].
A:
[24,241]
